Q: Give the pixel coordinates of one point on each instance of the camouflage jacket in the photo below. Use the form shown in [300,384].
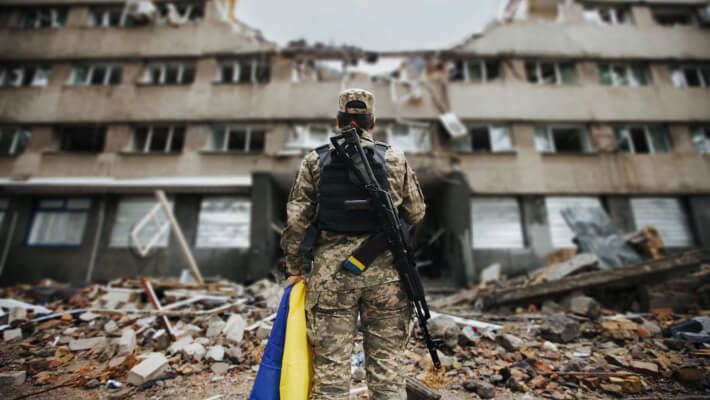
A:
[332,248]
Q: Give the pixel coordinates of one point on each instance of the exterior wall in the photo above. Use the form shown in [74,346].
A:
[71,264]
[700,218]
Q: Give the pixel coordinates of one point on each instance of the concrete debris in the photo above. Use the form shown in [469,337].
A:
[12,378]
[148,369]
[215,353]
[86,344]
[560,329]
[220,368]
[127,342]
[585,306]
[214,326]
[234,328]
[12,334]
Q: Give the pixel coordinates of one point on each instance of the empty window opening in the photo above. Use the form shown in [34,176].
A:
[670,16]
[409,138]
[169,73]
[562,139]
[241,139]
[24,75]
[309,136]
[159,139]
[624,74]
[642,139]
[106,17]
[96,74]
[42,17]
[13,140]
[701,138]
[610,15]
[550,73]
[477,71]
[485,138]
[243,71]
[82,138]
[691,75]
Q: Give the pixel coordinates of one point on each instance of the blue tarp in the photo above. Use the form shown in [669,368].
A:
[268,379]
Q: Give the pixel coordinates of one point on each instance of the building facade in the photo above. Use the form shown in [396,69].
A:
[595,103]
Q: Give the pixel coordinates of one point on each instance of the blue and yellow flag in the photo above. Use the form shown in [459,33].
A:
[285,369]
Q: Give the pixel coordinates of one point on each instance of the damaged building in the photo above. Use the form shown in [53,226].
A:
[558,104]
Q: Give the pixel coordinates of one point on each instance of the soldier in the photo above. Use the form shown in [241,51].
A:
[337,296]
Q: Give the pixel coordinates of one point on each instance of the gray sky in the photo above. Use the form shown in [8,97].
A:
[369,24]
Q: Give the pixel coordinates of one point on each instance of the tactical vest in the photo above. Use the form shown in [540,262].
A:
[337,186]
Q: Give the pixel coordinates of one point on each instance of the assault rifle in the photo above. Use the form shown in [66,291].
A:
[347,146]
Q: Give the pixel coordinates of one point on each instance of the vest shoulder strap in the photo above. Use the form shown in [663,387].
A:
[323,155]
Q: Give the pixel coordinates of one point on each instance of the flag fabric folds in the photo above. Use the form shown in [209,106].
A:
[285,369]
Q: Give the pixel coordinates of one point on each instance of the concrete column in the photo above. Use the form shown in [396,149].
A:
[660,75]
[514,70]
[196,137]
[574,13]
[205,71]
[602,137]
[455,212]
[59,75]
[118,138]
[77,17]
[681,140]
[587,73]
[281,69]
[619,209]
[700,219]
[264,248]
[642,16]
[537,229]
[132,73]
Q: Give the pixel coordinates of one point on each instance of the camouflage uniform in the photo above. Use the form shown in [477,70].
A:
[336,296]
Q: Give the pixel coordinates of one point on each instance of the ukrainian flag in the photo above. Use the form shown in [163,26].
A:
[285,369]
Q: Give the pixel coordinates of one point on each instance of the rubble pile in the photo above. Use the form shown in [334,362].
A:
[131,334]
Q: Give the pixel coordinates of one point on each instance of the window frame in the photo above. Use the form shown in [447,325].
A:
[424,129]
[64,209]
[16,132]
[63,131]
[697,69]
[587,147]
[147,78]
[149,138]
[695,130]
[57,15]
[625,132]
[249,131]
[628,68]
[148,202]
[558,72]
[483,65]
[105,12]
[110,68]
[309,142]
[489,129]
[615,12]
[199,234]
[237,64]
[24,70]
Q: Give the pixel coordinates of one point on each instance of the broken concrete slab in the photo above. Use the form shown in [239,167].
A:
[585,306]
[86,344]
[147,369]
[127,342]
[560,329]
[111,326]
[510,342]
[234,328]
[214,326]
[180,344]
[215,353]
[491,273]
[445,328]
[194,351]
[220,368]
[12,334]
[12,378]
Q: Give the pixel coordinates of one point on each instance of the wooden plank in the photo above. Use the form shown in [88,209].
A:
[630,276]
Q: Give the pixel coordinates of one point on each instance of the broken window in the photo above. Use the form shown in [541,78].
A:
[105,17]
[624,74]
[82,138]
[96,74]
[496,223]
[642,139]
[701,138]
[560,234]
[409,137]
[670,16]
[169,73]
[485,138]
[42,17]
[243,71]
[667,215]
[691,75]
[224,223]
[13,140]
[159,139]
[241,139]
[476,70]
[59,222]
[611,15]
[562,139]
[130,211]
[309,136]
[24,75]
[182,12]
[551,73]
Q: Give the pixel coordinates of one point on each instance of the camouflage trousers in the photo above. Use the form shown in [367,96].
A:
[385,314]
